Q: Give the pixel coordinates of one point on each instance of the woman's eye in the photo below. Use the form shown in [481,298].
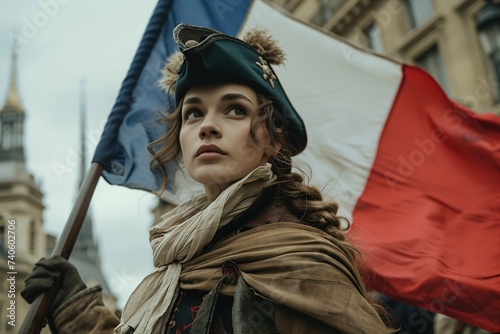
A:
[237,111]
[192,114]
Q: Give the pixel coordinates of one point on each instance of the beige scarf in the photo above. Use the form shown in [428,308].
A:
[180,237]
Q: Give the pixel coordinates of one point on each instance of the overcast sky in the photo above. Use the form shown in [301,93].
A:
[62,41]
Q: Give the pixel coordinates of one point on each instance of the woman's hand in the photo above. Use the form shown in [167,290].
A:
[45,274]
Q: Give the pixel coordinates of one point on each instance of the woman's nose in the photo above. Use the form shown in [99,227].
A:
[209,128]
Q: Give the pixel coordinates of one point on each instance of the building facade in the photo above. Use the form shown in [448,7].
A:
[440,36]
[22,238]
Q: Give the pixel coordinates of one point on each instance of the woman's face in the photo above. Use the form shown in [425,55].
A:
[215,139]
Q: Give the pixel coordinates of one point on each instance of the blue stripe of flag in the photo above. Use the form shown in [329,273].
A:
[131,126]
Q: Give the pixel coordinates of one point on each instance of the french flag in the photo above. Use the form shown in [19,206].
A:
[417,174]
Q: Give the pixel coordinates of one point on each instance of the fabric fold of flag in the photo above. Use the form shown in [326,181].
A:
[428,220]
[417,174]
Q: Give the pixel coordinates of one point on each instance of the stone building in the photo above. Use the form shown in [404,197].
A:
[443,37]
[21,216]
[21,209]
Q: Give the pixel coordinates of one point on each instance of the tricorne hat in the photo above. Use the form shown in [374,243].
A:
[209,57]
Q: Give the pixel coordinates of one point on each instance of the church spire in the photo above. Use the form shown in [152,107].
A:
[85,255]
[12,119]
[85,247]
[12,102]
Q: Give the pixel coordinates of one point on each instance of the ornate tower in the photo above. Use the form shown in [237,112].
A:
[21,204]
[12,120]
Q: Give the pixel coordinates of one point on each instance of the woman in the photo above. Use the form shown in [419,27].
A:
[260,251]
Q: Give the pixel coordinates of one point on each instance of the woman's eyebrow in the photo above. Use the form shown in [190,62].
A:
[192,100]
[235,96]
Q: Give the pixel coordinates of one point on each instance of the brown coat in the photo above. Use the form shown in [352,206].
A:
[313,286]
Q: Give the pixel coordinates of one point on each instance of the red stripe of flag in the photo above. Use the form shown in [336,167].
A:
[428,219]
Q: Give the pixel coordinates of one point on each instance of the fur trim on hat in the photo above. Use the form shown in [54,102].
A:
[267,47]
[169,73]
[258,39]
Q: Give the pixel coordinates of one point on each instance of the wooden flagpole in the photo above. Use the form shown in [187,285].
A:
[37,313]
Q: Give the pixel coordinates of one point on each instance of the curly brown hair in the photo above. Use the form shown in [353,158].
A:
[304,201]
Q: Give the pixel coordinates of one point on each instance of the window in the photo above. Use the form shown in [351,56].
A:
[431,62]
[7,137]
[326,10]
[3,238]
[490,39]
[18,134]
[373,37]
[8,328]
[32,237]
[418,11]
[495,61]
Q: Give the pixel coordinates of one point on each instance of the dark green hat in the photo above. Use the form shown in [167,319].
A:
[211,57]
